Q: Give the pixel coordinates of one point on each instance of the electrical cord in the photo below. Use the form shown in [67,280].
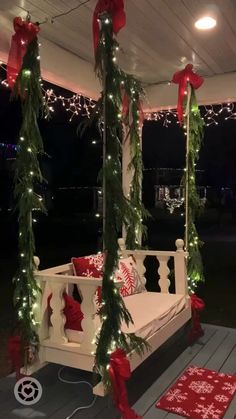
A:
[63,380]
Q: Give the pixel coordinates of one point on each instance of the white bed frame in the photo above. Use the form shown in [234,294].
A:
[54,344]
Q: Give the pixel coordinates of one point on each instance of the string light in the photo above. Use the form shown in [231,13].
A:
[76,104]
[211,114]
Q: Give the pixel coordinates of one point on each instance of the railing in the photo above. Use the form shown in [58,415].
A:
[58,279]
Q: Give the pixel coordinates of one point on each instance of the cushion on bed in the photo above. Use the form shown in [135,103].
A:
[92,266]
[149,310]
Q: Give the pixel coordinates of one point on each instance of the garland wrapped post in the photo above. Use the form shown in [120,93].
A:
[133,119]
[25,79]
[118,208]
[193,124]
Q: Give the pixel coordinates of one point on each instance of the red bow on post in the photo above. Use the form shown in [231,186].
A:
[116,9]
[181,78]
[197,305]
[25,32]
[119,372]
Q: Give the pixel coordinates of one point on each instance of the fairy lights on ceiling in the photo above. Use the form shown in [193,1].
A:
[78,105]
[212,114]
[75,105]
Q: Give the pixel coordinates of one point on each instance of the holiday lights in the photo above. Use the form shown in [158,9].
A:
[211,114]
[76,105]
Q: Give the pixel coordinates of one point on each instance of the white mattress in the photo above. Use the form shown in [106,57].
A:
[149,310]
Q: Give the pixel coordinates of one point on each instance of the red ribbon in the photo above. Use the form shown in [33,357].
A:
[25,32]
[197,305]
[181,78]
[116,9]
[119,372]
[14,352]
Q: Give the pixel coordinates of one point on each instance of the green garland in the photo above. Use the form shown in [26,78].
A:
[136,230]
[27,176]
[118,209]
[196,127]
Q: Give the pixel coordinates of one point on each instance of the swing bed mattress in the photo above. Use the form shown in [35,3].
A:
[150,311]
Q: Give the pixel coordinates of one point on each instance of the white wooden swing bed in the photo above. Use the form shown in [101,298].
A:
[156,315]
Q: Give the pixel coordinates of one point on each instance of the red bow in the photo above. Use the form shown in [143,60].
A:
[25,32]
[181,78]
[119,371]
[197,305]
[116,9]
[14,351]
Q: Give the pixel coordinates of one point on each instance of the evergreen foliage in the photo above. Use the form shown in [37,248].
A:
[27,177]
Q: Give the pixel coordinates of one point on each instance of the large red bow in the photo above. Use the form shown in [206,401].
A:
[181,78]
[116,9]
[25,32]
[197,305]
[119,371]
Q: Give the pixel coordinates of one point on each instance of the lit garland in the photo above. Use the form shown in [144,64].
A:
[193,203]
[27,176]
[133,121]
[118,209]
[76,105]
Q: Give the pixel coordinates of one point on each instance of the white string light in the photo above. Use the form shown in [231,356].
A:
[76,105]
[212,114]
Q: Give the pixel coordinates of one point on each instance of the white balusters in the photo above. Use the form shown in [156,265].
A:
[88,309]
[57,318]
[139,258]
[163,272]
[181,285]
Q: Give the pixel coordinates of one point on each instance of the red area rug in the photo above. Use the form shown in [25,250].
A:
[199,394]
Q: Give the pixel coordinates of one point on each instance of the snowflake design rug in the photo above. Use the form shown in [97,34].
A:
[199,394]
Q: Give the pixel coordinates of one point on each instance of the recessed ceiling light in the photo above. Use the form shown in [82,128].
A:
[206,22]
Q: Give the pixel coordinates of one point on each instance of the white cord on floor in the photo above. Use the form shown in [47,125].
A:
[76,382]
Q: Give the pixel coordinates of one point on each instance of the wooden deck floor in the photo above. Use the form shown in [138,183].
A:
[216,350]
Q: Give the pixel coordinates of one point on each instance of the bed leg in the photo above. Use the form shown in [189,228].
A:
[99,390]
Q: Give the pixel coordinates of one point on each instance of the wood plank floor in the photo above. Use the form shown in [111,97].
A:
[216,350]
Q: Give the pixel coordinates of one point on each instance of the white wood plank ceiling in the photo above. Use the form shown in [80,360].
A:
[159,37]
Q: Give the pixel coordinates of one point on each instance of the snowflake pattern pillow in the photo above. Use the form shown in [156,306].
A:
[128,273]
[91,266]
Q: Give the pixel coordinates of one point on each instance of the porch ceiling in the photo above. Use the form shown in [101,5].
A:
[159,39]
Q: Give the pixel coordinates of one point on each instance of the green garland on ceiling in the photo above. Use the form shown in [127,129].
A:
[27,177]
[196,130]
[119,210]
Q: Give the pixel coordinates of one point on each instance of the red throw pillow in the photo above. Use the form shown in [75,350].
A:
[72,312]
[93,266]
[90,266]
